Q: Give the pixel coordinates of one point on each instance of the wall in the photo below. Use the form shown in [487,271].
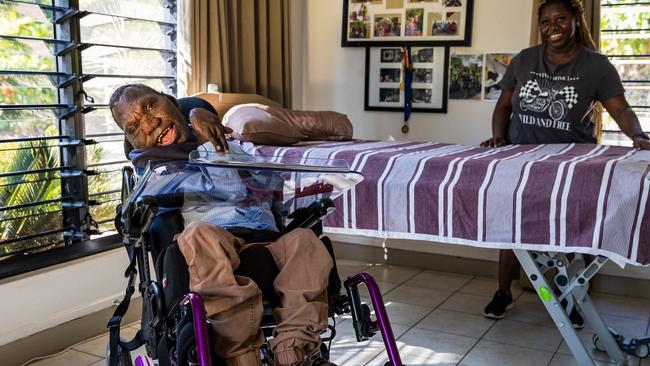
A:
[45,298]
[332,77]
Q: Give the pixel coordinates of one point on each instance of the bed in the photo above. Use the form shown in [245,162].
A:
[543,201]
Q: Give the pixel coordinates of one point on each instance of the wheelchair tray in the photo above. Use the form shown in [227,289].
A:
[241,190]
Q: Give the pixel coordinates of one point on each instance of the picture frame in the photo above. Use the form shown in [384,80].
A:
[466,76]
[387,23]
[384,74]
[494,68]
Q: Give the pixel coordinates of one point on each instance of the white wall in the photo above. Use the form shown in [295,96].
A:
[332,77]
[42,299]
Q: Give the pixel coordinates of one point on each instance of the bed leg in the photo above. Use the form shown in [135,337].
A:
[605,337]
[554,308]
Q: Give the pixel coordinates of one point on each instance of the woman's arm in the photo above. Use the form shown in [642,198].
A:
[627,120]
[500,120]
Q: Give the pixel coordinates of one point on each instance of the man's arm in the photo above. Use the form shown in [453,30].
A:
[500,120]
[627,120]
[208,127]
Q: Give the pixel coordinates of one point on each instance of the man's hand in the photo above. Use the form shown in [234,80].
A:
[208,127]
[494,142]
[640,142]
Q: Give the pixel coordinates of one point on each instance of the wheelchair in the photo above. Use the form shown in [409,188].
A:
[174,327]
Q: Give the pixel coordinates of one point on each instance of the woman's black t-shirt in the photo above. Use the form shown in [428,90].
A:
[554,103]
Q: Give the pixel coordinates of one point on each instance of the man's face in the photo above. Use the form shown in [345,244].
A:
[150,119]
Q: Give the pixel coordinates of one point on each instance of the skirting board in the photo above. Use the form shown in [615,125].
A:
[602,283]
[56,339]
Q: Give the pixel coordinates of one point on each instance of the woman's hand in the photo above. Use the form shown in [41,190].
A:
[641,142]
[208,127]
[494,142]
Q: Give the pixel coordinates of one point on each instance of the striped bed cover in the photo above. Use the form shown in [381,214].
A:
[560,198]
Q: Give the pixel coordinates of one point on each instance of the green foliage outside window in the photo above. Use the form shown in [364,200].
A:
[23,156]
[624,31]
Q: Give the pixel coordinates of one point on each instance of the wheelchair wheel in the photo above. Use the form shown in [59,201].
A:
[123,357]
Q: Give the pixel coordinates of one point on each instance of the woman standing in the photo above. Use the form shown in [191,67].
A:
[549,95]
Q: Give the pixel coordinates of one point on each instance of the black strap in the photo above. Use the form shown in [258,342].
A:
[114,322]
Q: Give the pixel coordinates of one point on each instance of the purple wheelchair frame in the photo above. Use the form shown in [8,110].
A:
[363,326]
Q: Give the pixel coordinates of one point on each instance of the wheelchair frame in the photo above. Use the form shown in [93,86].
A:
[155,318]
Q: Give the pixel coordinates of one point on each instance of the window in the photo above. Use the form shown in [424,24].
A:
[60,150]
[625,38]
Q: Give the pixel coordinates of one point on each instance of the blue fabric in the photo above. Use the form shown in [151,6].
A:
[408,80]
[218,196]
[160,154]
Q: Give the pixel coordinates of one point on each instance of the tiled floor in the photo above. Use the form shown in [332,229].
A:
[437,320]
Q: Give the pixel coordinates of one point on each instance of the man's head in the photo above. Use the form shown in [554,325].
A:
[147,117]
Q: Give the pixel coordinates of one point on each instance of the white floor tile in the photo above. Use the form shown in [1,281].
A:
[530,312]
[418,296]
[525,335]
[528,296]
[384,287]
[566,360]
[97,346]
[403,314]
[423,347]
[70,357]
[466,303]
[346,351]
[392,274]
[439,280]
[487,287]
[448,335]
[456,323]
[348,267]
[487,353]
[628,307]
[586,338]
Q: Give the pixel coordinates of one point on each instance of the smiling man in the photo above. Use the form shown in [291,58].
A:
[161,128]
[152,119]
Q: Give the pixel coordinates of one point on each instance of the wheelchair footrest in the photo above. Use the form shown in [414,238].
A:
[364,326]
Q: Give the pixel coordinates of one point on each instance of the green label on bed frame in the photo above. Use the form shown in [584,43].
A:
[544,293]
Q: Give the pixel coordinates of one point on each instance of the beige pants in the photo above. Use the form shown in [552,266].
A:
[234,303]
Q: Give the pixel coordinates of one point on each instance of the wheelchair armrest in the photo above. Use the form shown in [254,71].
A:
[306,217]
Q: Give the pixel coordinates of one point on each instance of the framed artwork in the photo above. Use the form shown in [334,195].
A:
[380,23]
[384,76]
[465,76]
[495,68]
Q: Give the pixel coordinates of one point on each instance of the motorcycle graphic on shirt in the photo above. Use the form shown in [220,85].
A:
[540,100]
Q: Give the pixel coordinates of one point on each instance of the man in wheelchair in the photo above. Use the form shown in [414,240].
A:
[156,125]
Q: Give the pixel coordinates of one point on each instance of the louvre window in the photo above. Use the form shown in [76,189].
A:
[60,150]
[625,38]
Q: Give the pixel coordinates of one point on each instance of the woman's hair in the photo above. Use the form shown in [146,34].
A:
[583,36]
[574,6]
